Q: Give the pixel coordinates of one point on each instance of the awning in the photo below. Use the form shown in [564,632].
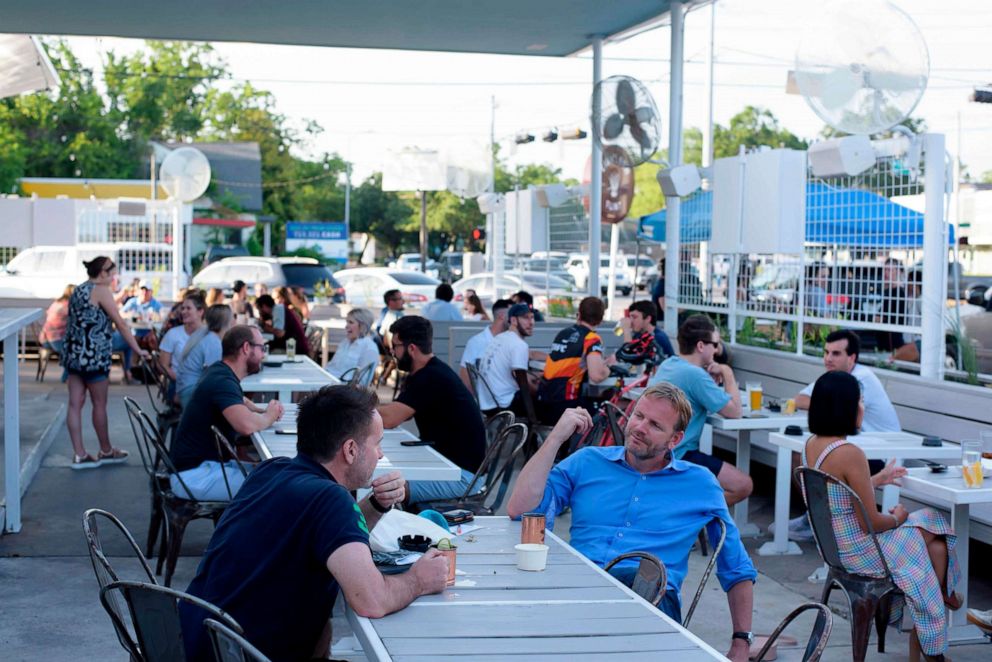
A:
[843,217]
[224,222]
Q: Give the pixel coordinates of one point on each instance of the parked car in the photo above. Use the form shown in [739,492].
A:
[489,288]
[578,266]
[274,272]
[411,262]
[219,252]
[644,268]
[553,266]
[42,272]
[365,286]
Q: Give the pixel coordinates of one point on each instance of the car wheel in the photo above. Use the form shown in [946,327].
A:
[626,291]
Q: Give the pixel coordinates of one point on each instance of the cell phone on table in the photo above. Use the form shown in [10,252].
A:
[459,516]
[416,442]
[286,431]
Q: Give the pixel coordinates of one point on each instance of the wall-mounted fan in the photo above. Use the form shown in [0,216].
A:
[862,66]
[627,119]
[185,174]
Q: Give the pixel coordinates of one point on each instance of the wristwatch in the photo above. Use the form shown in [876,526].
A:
[378,506]
[746,636]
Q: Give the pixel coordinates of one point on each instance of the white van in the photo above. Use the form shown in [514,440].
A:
[42,272]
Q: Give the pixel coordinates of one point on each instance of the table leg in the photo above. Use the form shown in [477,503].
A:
[324,347]
[746,528]
[960,631]
[783,495]
[11,436]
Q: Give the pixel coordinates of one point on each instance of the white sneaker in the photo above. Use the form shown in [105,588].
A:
[982,619]
[802,532]
[799,523]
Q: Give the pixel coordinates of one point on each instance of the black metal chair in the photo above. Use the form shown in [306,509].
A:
[722,526]
[44,356]
[868,597]
[478,382]
[817,639]
[495,424]
[224,448]
[360,376]
[651,578]
[177,510]
[167,412]
[105,572]
[494,473]
[158,478]
[153,613]
[229,646]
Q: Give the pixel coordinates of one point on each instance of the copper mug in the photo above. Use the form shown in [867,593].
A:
[532,528]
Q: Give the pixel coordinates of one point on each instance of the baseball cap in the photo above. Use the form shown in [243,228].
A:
[143,285]
[518,309]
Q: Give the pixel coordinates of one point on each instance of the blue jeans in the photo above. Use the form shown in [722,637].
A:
[206,482]
[671,602]
[120,345]
[440,490]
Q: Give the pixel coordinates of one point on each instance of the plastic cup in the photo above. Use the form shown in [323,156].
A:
[531,557]
[986,438]
[790,406]
[971,463]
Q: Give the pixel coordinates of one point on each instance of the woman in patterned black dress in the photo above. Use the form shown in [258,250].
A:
[85,358]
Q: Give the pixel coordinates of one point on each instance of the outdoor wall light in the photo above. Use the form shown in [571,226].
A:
[679,181]
[850,155]
[491,203]
[552,195]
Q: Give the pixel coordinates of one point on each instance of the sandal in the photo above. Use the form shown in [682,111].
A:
[115,456]
[84,462]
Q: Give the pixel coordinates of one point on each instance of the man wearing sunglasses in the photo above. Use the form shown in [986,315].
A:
[710,388]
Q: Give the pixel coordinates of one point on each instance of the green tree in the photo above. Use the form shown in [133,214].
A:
[753,127]
[648,197]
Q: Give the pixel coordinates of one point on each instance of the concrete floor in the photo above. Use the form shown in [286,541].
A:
[50,608]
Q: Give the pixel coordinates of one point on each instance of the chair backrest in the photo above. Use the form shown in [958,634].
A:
[479,382]
[713,526]
[814,485]
[616,418]
[105,573]
[496,424]
[362,376]
[224,448]
[229,646]
[651,578]
[150,458]
[156,384]
[497,465]
[818,638]
[153,612]
[163,462]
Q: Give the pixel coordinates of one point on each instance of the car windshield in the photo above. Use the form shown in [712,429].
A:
[538,280]
[413,278]
[307,275]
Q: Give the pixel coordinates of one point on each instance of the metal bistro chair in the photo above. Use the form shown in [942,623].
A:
[178,510]
[495,424]
[651,578]
[105,573]
[359,376]
[224,447]
[722,526]
[869,597]
[478,381]
[495,472]
[229,646]
[154,618]
[817,639]
[167,412]
[158,478]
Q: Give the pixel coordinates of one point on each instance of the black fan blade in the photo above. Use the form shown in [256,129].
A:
[626,98]
[642,137]
[613,127]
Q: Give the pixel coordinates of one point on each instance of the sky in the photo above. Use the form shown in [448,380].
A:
[372,102]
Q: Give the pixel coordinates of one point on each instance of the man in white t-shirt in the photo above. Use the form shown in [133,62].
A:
[504,366]
[840,352]
[477,344]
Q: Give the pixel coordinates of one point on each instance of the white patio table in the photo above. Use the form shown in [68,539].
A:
[299,376]
[414,462]
[496,612]
[948,490]
[876,446]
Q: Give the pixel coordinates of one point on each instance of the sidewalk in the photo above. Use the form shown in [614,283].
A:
[50,609]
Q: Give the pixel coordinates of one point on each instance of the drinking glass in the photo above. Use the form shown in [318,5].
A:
[754,394]
[971,462]
[986,439]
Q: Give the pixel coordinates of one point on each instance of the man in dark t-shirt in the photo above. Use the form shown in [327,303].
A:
[293,327]
[443,408]
[218,400]
[294,535]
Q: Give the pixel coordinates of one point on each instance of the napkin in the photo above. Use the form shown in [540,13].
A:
[397,523]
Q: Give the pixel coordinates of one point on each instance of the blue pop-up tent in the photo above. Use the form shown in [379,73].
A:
[845,217]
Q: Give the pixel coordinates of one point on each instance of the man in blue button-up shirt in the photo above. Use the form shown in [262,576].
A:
[639,498]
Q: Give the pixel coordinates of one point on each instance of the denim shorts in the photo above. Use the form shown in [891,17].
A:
[88,376]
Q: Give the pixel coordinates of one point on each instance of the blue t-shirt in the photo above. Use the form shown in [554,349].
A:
[661,338]
[441,311]
[191,367]
[135,305]
[616,509]
[266,563]
[194,442]
[703,393]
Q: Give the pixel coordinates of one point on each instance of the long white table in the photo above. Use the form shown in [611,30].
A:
[764,419]
[495,612]
[876,446]
[948,490]
[299,376]
[414,462]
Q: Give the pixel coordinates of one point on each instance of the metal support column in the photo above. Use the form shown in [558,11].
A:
[596,185]
[672,204]
[934,259]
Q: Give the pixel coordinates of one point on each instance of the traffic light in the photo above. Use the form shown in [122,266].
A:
[479,234]
[573,134]
[524,138]
[550,136]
